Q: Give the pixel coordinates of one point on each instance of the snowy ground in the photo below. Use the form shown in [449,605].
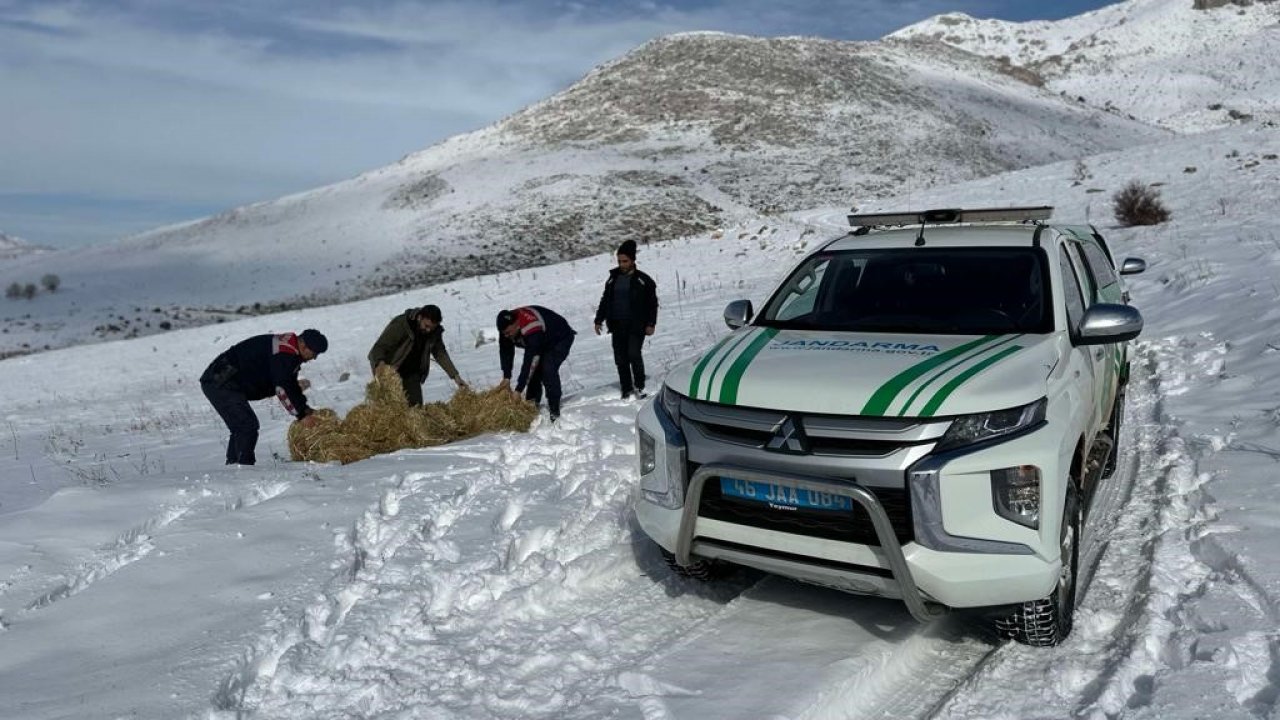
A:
[504,576]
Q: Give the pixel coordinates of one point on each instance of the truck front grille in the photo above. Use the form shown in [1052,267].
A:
[817,445]
[828,435]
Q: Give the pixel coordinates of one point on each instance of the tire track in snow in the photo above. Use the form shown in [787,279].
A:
[914,678]
[1144,573]
[519,594]
[129,547]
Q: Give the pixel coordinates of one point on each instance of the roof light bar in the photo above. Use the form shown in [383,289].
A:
[954,215]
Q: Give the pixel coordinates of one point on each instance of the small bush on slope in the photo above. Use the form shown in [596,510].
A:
[1139,204]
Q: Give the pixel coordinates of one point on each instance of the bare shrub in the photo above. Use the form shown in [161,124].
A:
[29,291]
[1139,204]
[1080,173]
[51,282]
[14,291]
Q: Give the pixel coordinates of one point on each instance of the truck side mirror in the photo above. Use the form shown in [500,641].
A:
[738,313]
[1106,323]
[1132,266]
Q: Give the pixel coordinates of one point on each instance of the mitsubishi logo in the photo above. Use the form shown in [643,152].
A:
[788,438]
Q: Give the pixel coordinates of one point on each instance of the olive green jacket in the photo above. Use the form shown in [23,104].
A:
[396,342]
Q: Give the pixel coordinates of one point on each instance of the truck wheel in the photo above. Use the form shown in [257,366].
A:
[1047,621]
[1113,433]
[699,569]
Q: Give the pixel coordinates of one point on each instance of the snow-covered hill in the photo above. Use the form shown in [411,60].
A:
[503,577]
[685,134]
[12,247]
[1188,65]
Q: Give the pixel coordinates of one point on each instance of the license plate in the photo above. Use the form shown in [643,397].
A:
[783,497]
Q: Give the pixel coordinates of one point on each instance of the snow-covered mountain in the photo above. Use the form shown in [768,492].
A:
[684,134]
[1187,65]
[12,247]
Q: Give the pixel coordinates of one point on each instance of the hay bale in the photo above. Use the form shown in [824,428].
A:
[494,410]
[304,441]
[434,424]
[386,389]
[382,428]
[385,422]
[340,448]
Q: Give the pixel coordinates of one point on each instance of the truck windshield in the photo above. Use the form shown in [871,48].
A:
[944,291]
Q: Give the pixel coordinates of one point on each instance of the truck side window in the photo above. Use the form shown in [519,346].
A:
[1071,292]
[803,292]
[1088,287]
[1102,273]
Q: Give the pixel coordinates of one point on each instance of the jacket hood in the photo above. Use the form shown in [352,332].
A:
[872,374]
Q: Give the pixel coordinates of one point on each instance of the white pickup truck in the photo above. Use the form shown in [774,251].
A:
[921,411]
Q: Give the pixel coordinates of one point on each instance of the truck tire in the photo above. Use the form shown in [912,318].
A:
[1047,621]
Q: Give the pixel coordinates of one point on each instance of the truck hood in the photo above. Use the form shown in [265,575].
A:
[872,374]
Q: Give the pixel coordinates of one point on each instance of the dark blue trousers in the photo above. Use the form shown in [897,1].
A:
[547,375]
[233,408]
[626,355]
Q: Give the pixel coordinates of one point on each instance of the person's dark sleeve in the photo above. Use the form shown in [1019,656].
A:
[526,369]
[441,354]
[284,375]
[534,345]
[652,300]
[385,345]
[604,299]
[506,356]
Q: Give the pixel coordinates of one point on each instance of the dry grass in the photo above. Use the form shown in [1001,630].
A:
[384,422]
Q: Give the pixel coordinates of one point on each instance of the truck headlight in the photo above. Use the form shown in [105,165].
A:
[1015,494]
[648,453]
[658,487]
[663,474]
[969,429]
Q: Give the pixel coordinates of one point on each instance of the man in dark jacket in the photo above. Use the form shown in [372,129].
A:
[408,343]
[546,338]
[629,307]
[257,368]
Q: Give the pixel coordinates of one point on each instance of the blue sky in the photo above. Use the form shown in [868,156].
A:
[120,116]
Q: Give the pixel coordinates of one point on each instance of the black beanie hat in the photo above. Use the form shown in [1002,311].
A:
[431,312]
[505,318]
[628,248]
[315,340]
